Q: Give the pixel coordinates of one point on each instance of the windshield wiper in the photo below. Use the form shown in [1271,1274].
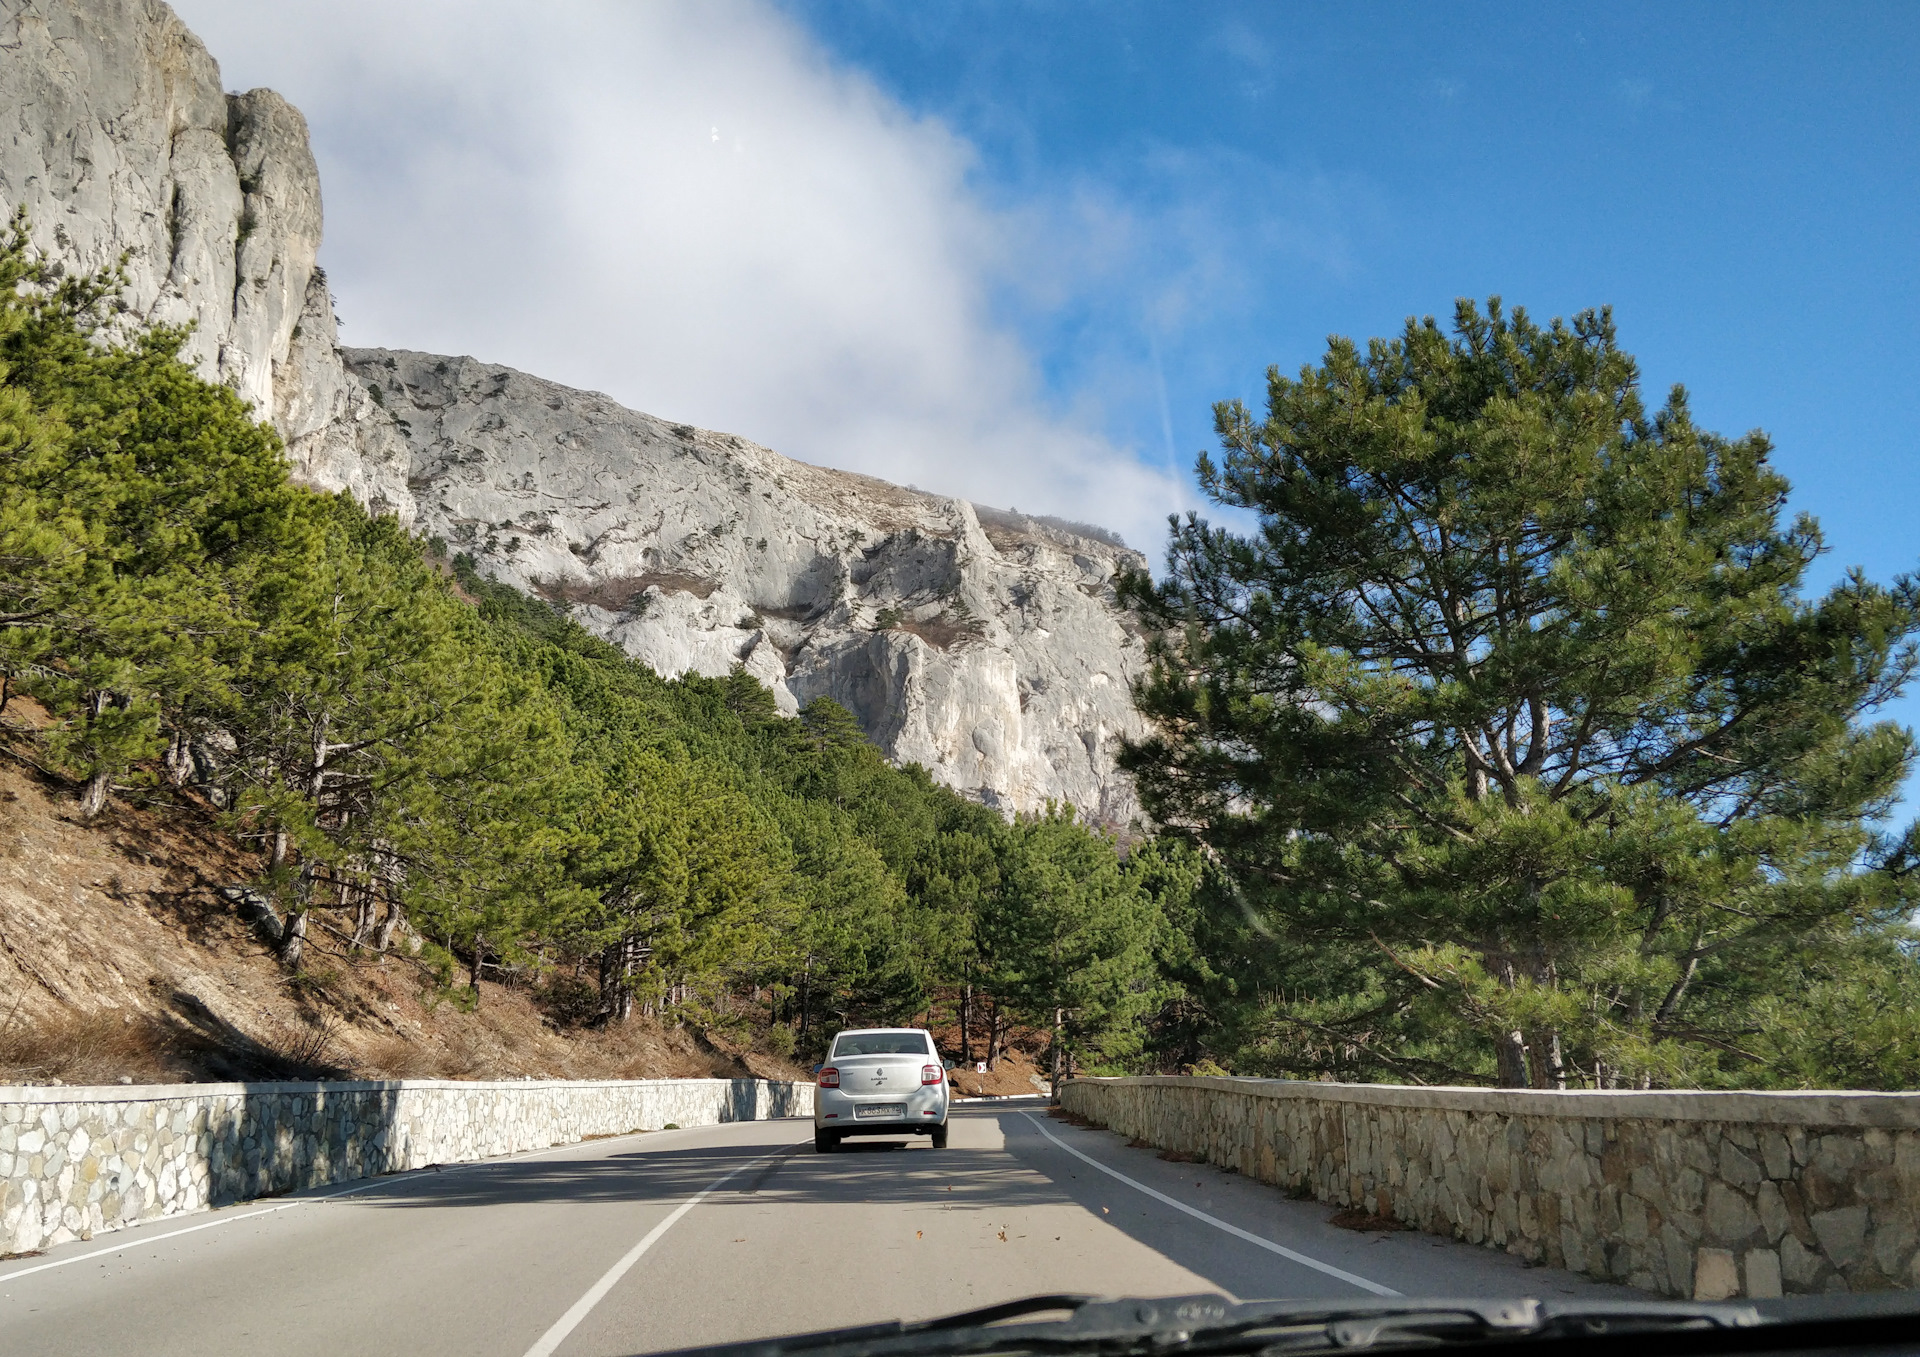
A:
[1209,1324]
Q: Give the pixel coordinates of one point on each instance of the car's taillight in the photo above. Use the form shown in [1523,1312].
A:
[929,1074]
[829,1077]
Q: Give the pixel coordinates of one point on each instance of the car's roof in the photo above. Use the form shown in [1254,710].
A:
[855,1031]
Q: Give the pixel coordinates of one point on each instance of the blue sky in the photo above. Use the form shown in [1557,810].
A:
[1740,183]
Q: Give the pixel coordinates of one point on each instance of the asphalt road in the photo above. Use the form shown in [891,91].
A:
[676,1238]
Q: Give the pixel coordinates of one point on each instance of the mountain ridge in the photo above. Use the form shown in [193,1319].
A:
[982,644]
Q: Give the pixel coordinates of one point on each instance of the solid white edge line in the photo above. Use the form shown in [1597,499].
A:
[357,1186]
[567,1323]
[1350,1278]
[136,1241]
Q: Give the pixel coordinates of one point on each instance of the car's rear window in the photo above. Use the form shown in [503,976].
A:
[881,1043]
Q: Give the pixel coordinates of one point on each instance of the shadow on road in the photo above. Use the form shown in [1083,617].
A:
[876,1171]
[1416,1263]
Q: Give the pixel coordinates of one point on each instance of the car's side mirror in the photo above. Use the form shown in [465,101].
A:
[816,1069]
[946,1064]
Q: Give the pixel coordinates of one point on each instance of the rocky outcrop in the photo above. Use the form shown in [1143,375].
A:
[982,645]
[125,151]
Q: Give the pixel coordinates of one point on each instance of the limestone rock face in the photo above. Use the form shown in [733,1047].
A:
[988,651]
[117,137]
[980,644]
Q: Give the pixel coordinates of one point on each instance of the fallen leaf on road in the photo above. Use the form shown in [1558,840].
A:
[1103,1211]
[1354,1219]
[919,1234]
[1003,1236]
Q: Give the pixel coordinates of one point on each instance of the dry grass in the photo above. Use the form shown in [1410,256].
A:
[484,1049]
[92,1048]
[113,1046]
[623,593]
[1011,1075]
[120,958]
[943,632]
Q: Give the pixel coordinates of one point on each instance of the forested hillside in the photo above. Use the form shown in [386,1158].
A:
[1507,751]
[421,755]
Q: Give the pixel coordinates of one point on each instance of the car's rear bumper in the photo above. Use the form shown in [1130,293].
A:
[883,1128]
[834,1110]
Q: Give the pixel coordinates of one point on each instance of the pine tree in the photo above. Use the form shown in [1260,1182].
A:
[1070,940]
[135,501]
[1509,720]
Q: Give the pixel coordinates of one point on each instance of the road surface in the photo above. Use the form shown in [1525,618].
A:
[675,1238]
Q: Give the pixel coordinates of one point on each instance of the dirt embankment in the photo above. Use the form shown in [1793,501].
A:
[121,960]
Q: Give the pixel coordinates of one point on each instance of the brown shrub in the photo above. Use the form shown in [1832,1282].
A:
[622,594]
[1355,1219]
[87,1048]
[396,1057]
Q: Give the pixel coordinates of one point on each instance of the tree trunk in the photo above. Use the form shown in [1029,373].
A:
[389,922]
[293,939]
[1511,1053]
[363,919]
[179,760]
[623,994]
[479,959]
[93,799]
[966,1021]
[293,936]
[1552,1071]
[1671,1004]
[993,1032]
[1059,1017]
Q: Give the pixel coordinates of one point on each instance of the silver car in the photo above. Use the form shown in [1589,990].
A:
[880,1081]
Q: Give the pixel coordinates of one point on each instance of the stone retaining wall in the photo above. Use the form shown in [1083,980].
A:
[78,1161]
[1709,1195]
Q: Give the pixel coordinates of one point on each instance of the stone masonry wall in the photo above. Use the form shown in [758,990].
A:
[78,1161]
[1709,1195]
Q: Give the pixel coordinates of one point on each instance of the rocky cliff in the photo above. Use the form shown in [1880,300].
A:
[981,644]
[117,138]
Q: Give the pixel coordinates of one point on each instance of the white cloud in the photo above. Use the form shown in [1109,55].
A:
[689,206]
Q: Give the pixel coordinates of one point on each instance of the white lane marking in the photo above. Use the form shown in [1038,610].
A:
[135,1243]
[1251,1238]
[358,1186]
[567,1323]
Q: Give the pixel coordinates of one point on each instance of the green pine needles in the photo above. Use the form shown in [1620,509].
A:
[1506,748]
[1525,757]
[419,752]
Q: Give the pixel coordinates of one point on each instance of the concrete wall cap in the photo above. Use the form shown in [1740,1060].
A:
[1787,1108]
[58,1094]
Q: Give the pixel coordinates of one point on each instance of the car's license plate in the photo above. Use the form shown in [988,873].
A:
[879,1110]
